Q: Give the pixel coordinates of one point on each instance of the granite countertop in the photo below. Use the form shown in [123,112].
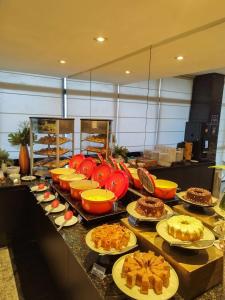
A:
[74,237]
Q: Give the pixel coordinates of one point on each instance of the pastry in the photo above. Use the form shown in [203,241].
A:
[51,151]
[100,138]
[199,195]
[51,140]
[150,207]
[96,149]
[53,163]
[110,236]
[147,271]
[185,228]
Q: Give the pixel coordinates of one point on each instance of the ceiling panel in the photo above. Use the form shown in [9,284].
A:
[34,35]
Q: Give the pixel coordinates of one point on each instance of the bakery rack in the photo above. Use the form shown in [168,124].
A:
[95,136]
[57,137]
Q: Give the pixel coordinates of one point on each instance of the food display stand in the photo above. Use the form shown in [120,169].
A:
[95,136]
[56,135]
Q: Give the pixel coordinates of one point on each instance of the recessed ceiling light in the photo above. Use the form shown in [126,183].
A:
[100,39]
[127,72]
[179,57]
[62,61]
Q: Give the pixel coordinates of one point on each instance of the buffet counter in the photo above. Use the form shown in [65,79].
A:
[67,255]
[187,174]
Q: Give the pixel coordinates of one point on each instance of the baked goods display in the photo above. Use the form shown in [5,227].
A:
[96,149]
[51,140]
[185,228]
[110,237]
[51,151]
[47,126]
[100,138]
[199,195]
[150,207]
[147,271]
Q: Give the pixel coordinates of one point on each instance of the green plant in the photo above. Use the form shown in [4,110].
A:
[22,136]
[120,151]
[4,157]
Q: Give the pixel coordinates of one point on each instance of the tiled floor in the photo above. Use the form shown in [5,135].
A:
[8,289]
[31,272]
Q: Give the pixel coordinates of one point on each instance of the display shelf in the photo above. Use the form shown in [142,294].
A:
[53,154]
[95,131]
[53,144]
[58,131]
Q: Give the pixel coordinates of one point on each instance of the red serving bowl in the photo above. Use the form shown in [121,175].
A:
[97,201]
[55,173]
[77,187]
[65,180]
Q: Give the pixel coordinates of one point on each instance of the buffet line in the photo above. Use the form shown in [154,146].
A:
[100,191]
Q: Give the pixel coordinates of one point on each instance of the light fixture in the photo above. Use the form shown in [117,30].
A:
[127,72]
[100,39]
[62,61]
[179,57]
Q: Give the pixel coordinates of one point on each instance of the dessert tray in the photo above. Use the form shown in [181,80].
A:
[208,236]
[60,220]
[132,243]
[59,208]
[36,189]
[52,140]
[132,212]
[41,198]
[182,196]
[135,293]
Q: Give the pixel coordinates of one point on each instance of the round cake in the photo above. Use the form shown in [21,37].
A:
[150,207]
[199,195]
[185,228]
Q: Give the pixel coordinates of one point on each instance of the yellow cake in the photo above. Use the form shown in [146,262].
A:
[185,228]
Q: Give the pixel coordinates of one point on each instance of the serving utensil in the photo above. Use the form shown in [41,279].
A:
[122,251]
[64,222]
[200,243]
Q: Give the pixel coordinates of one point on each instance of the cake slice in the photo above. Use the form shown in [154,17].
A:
[144,284]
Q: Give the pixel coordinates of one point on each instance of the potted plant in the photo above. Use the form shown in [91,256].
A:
[120,152]
[22,138]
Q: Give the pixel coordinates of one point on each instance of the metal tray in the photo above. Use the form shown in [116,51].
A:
[118,211]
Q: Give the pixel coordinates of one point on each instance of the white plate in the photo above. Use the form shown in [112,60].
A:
[42,199]
[57,209]
[131,211]
[134,292]
[162,230]
[219,211]
[28,178]
[36,189]
[182,196]
[60,220]
[91,245]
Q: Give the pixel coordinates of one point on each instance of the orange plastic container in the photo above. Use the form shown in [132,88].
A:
[77,187]
[98,201]
[165,189]
[65,180]
[55,173]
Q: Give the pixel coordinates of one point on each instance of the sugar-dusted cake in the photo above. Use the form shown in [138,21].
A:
[147,271]
[199,195]
[150,207]
[185,228]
